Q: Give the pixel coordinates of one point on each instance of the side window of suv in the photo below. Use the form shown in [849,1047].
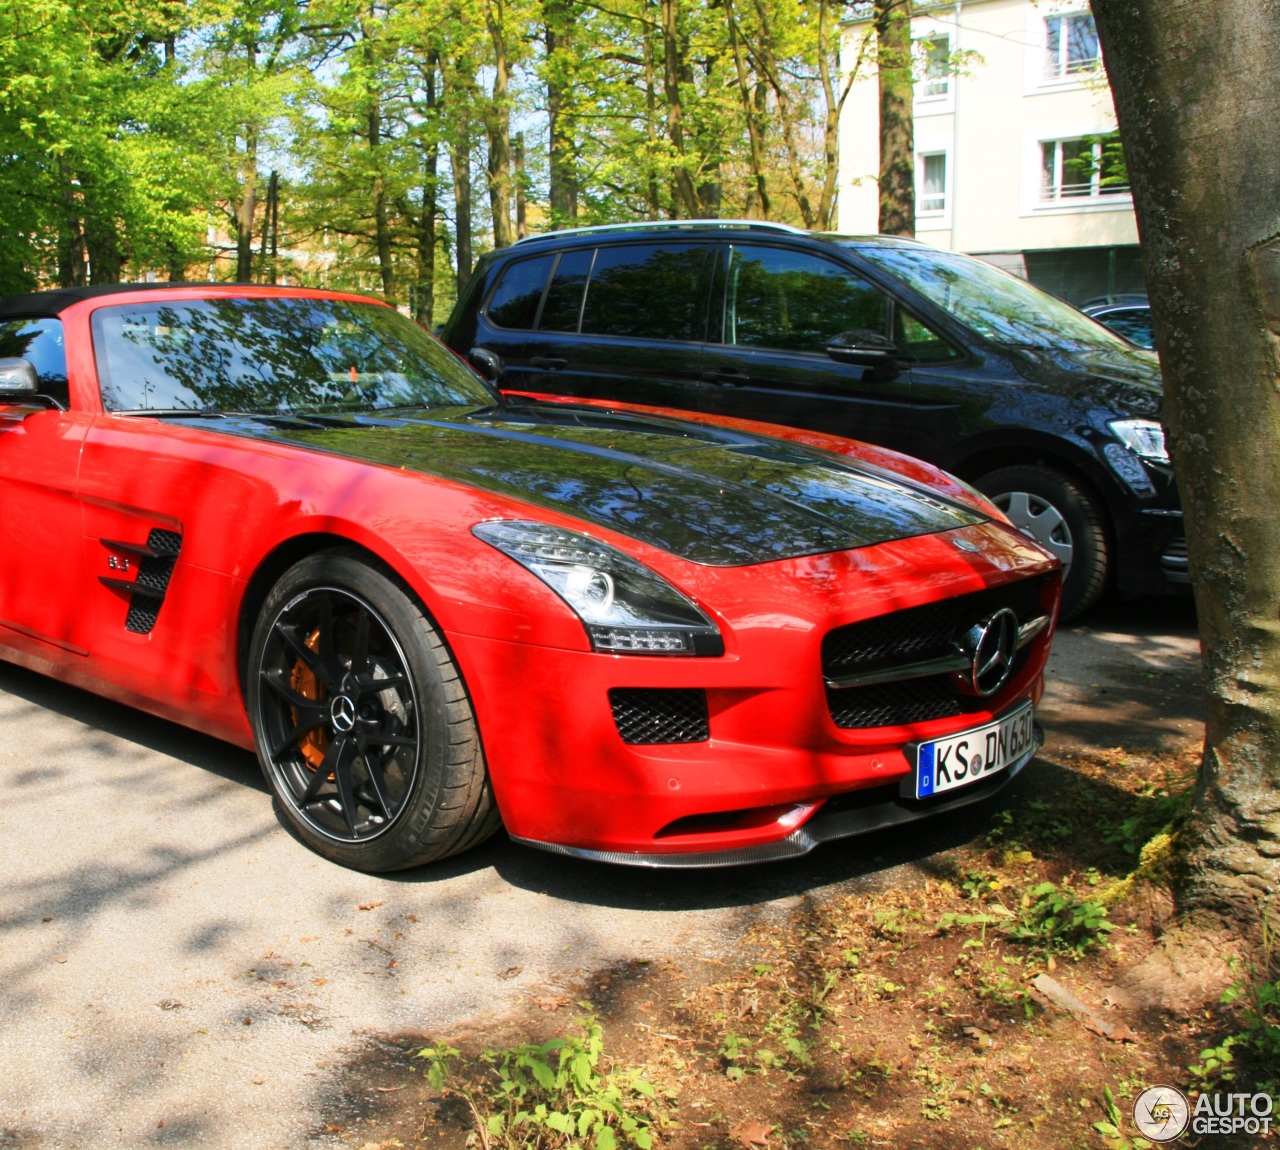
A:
[515,299]
[647,291]
[794,301]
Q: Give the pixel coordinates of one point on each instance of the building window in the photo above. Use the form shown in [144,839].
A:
[1090,167]
[1071,46]
[932,193]
[933,68]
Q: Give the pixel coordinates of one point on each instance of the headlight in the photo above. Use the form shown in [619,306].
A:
[625,607]
[1144,437]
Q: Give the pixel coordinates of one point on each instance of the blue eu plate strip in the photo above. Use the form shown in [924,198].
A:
[924,771]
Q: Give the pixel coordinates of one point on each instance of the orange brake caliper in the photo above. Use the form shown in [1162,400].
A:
[314,744]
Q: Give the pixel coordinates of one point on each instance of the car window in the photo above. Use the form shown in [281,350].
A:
[994,304]
[917,341]
[1132,323]
[273,355]
[515,299]
[39,342]
[647,291]
[794,301]
[563,306]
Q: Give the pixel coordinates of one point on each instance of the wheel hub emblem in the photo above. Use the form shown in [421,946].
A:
[988,648]
[342,713]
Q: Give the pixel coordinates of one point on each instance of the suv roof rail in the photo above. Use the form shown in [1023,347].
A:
[663,225]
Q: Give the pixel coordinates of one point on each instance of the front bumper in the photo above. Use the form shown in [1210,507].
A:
[774,762]
[844,816]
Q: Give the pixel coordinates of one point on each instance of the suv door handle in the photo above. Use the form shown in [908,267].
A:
[553,362]
[727,375]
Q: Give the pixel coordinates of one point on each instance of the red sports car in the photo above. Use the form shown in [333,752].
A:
[295,521]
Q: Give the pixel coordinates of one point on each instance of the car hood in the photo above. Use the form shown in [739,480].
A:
[1125,381]
[706,494]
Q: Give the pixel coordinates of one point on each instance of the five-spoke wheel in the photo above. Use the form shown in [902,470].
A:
[363,728]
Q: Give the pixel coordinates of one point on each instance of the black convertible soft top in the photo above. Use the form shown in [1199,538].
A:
[47,304]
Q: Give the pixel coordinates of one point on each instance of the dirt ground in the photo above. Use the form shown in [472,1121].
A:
[924,1013]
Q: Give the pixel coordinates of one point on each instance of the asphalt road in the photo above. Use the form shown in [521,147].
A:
[176,969]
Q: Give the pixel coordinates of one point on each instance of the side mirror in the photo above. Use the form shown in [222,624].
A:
[18,379]
[864,348]
[487,364]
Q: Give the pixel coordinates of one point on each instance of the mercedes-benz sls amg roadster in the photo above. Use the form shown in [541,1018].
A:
[293,520]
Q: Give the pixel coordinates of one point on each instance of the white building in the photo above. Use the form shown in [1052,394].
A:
[1015,143]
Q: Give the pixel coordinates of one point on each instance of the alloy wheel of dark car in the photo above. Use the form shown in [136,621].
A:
[363,728]
[1057,513]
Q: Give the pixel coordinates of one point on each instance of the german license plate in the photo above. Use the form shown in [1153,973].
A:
[959,760]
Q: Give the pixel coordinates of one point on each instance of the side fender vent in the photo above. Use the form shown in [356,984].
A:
[155,561]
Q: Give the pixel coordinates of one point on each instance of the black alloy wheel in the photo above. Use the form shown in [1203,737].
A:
[363,727]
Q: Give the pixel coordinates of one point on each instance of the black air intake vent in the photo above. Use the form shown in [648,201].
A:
[155,560]
[660,715]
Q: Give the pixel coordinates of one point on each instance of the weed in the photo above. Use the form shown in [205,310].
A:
[1052,917]
[1112,1127]
[1162,809]
[553,1094]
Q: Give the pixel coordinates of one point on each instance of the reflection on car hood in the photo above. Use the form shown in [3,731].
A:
[706,494]
[1124,380]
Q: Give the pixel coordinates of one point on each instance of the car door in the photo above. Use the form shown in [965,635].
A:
[766,359]
[623,321]
[42,562]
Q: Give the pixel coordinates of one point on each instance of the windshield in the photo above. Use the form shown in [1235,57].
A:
[998,306]
[273,355]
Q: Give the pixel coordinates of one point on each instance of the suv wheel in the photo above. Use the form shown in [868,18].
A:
[1057,513]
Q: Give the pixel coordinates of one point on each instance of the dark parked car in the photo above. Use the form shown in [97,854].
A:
[876,338]
[1127,315]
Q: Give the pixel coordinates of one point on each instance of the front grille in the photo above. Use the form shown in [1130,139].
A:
[915,635]
[894,704]
[660,715]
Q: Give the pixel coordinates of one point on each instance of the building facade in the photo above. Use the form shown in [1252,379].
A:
[1017,157]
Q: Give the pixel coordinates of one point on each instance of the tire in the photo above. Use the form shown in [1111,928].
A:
[1062,517]
[362,723]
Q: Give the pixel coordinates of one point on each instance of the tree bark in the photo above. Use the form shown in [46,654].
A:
[557,23]
[1197,105]
[673,69]
[897,134]
[498,127]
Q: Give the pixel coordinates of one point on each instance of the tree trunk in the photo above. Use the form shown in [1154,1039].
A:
[791,118]
[557,22]
[674,66]
[270,224]
[424,297]
[498,128]
[653,185]
[753,95]
[828,74]
[522,209]
[1197,103]
[71,267]
[897,136]
[460,160]
[247,209]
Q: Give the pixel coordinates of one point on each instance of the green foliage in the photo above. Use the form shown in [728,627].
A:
[1258,1040]
[1054,918]
[553,1094]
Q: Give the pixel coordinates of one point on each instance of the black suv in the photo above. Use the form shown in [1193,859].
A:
[874,338]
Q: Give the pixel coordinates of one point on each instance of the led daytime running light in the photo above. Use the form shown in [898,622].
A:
[625,607]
